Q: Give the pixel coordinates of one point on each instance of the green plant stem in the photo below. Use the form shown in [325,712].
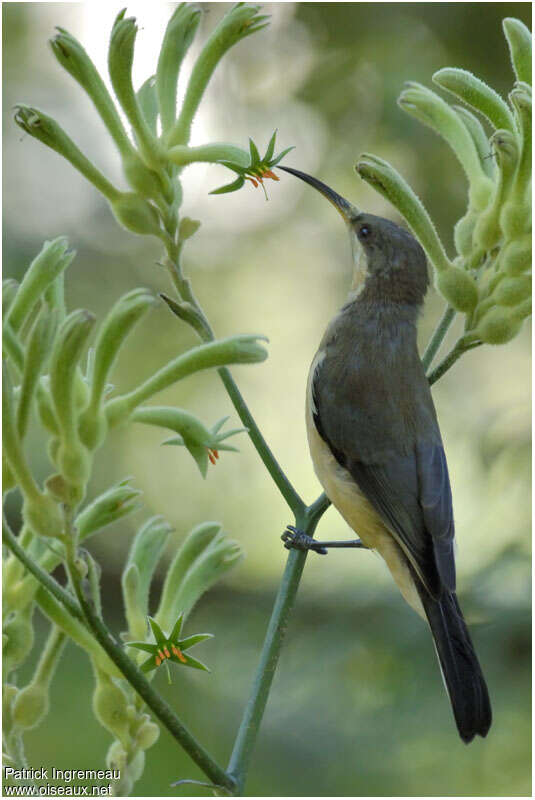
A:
[294,501]
[254,710]
[139,683]
[461,347]
[437,338]
[205,332]
[84,611]
[10,540]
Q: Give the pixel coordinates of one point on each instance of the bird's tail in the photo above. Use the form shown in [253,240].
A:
[461,671]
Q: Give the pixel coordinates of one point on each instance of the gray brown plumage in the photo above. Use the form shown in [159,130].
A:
[376,444]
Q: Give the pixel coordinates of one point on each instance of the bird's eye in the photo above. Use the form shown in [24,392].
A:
[364,232]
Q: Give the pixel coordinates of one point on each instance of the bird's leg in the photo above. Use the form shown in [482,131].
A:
[295,539]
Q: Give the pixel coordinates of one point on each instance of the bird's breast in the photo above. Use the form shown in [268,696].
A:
[352,504]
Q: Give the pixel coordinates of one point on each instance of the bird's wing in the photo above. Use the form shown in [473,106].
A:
[410,490]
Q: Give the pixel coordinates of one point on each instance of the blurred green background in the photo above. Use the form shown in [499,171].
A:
[357,706]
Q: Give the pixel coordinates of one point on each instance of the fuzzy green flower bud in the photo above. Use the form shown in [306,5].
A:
[116,756]
[144,555]
[18,638]
[487,231]
[234,350]
[188,227]
[147,735]
[459,289]
[519,41]
[521,100]
[74,59]
[142,179]
[241,21]
[39,511]
[477,132]
[110,707]
[38,348]
[475,93]
[48,131]
[384,178]
[502,324]
[44,269]
[136,214]
[464,231]
[512,291]
[430,109]
[120,60]
[515,257]
[217,559]
[515,219]
[9,693]
[42,516]
[117,325]
[190,550]
[148,103]
[31,705]
[73,459]
[116,502]
[45,407]
[12,348]
[136,766]
[178,37]
[9,290]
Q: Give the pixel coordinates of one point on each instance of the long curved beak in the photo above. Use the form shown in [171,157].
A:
[347,210]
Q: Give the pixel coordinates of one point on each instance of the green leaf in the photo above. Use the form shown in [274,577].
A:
[159,635]
[147,648]
[192,662]
[253,150]
[519,41]
[271,147]
[149,664]
[230,187]
[191,641]
[175,633]
[281,156]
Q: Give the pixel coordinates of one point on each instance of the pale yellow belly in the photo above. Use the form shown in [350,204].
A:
[347,498]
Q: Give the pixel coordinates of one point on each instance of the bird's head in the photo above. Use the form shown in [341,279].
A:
[388,262]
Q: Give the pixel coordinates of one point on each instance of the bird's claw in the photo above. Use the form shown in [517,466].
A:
[294,539]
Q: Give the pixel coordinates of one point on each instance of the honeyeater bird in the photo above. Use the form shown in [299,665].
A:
[376,445]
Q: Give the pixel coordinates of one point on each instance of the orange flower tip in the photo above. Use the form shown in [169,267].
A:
[167,654]
[211,457]
[216,453]
[175,650]
[180,656]
[161,655]
[158,661]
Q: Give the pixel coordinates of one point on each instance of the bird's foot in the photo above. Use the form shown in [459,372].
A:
[294,539]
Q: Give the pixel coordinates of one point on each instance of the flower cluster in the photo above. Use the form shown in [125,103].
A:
[488,279]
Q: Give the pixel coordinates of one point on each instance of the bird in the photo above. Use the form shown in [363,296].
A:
[376,446]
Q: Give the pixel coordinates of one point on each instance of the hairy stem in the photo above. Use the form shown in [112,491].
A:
[437,338]
[83,610]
